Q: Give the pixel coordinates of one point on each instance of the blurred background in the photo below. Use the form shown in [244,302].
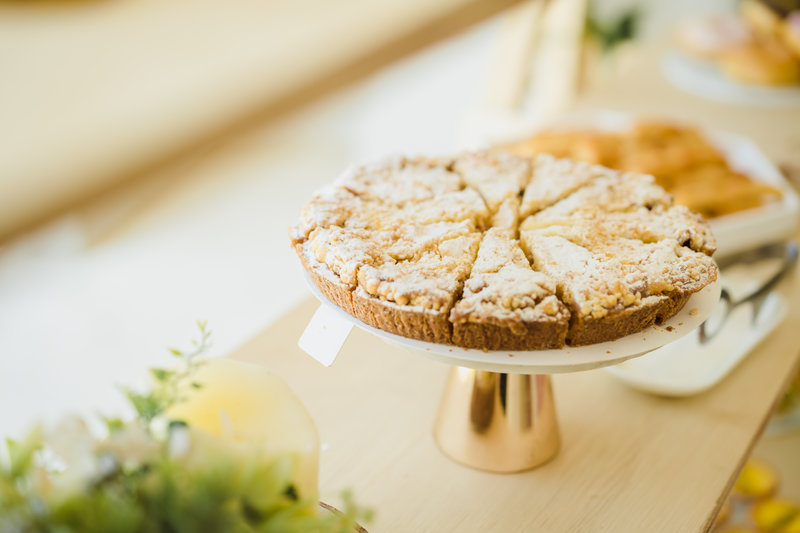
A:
[153,154]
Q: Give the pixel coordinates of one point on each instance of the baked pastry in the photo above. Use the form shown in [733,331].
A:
[790,32]
[505,303]
[498,252]
[765,16]
[682,160]
[762,62]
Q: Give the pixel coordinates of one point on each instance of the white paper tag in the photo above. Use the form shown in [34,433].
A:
[324,336]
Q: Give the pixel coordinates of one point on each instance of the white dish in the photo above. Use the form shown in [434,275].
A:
[707,80]
[568,359]
[735,232]
[686,367]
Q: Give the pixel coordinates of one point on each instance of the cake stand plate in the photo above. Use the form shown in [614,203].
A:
[497,413]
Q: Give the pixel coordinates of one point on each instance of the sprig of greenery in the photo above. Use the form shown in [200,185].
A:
[224,492]
[169,383]
[611,33]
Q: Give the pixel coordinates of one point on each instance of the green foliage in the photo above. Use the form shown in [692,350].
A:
[207,488]
[147,406]
[114,424]
[168,383]
[611,33]
[221,494]
[20,454]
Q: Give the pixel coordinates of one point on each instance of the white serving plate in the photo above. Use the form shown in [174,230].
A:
[707,80]
[736,232]
[568,359]
[686,367]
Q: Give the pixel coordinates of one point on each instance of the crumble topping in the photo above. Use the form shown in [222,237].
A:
[390,194]
[607,194]
[503,285]
[647,225]
[455,206]
[626,205]
[507,214]
[498,249]
[592,284]
[431,281]
[344,251]
[497,177]
[554,179]
[399,180]
[439,235]
[599,272]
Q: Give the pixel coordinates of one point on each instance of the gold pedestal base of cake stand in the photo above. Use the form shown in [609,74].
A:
[497,422]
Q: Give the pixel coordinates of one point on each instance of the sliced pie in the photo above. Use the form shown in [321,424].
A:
[505,303]
[427,248]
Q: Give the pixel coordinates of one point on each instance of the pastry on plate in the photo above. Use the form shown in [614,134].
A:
[682,160]
[761,62]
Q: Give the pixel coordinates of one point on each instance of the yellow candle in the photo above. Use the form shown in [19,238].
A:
[250,406]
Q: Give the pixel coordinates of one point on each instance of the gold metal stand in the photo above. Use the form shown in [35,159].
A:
[497,422]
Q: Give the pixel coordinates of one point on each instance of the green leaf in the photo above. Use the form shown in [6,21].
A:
[147,406]
[611,33]
[20,454]
[175,352]
[291,493]
[162,375]
[177,424]
[196,385]
[114,424]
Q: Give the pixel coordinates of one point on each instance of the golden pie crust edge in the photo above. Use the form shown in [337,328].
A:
[424,325]
[618,324]
[511,334]
[507,334]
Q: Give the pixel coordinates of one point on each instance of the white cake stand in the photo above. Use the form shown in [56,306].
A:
[497,413]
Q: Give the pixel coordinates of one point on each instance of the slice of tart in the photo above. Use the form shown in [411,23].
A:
[615,286]
[332,257]
[399,180]
[610,191]
[647,225]
[626,205]
[403,279]
[330,206]
[389,195]
[413,297]
[456,206]
[505,303]
[554,179]
[507,215]
[499,178]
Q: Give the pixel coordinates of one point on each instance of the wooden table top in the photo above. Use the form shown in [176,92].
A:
[629,461]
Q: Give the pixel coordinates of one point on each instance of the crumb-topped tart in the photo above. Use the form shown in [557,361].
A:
[498,252]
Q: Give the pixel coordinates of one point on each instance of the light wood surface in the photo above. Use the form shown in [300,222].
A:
[629,461]
[106,89]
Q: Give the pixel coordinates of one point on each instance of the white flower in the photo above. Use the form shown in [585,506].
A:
[131,445]
[74,449]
